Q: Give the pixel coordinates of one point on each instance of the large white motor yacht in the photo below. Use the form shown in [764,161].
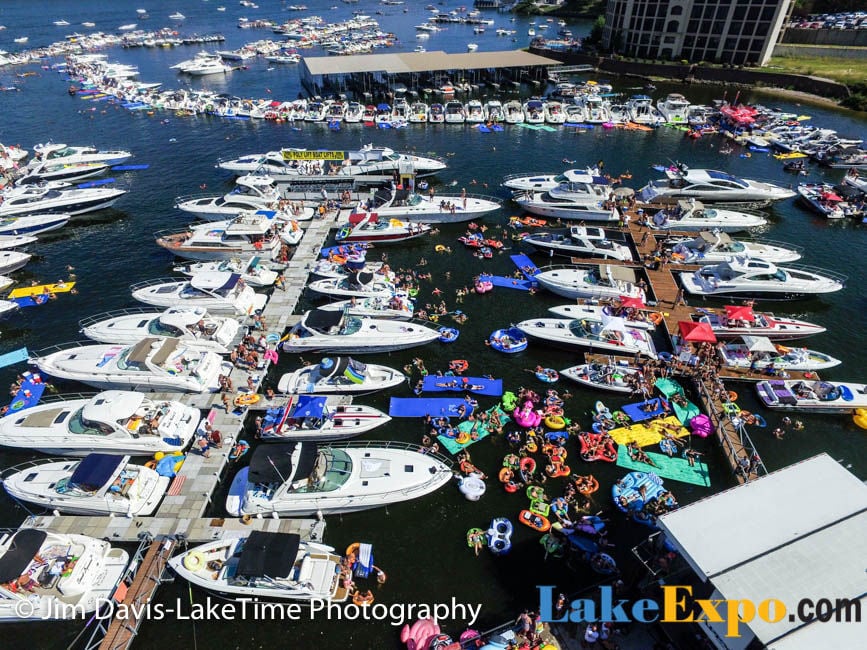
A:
[46,575]
[416,208]
[264,565]
[319,417]
[329,331]
[541,182]
[736,320]
[711,247]
[358,284]
[111,422]
[252,271]
[250,233]
[580,196]
[711,186]
[99,484]
[632,318]
[340,375]
[61,153]
[604,281]
[608,334]
[579,241]
[758,353]
[49,198]
[194,326]
[32,224]
[152,364]
[744,277]
[642,111]
[812,396]
[675,109]
[305,478]
[692,215]
[219,293]
[253,192]
[596,109]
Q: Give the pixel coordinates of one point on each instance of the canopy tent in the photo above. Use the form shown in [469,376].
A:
[632,303]
[759,344]
[700,332]
[268,555]
[94,471]
[740,312]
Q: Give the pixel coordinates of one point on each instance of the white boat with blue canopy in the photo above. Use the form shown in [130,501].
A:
[319,417]
[218,292]
[340,375]
[32,224]
[252,270]
[306,478]
[99,484]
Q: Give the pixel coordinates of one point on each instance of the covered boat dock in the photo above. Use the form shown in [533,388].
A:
[379,74]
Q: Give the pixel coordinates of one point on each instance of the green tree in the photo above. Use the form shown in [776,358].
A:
[595,36]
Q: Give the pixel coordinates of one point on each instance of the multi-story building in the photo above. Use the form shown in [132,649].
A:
[721,31]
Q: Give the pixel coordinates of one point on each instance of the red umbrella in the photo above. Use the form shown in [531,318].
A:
[740,312]
[700,332]
[632,303]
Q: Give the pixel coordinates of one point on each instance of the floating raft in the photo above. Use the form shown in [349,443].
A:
[29,394]
[475,430]
[649,433]
[525,265]
[507,282]
[411,407]
[40,289]
[16,356]
[637,412]
[669,388]
[677,469]
[479,385]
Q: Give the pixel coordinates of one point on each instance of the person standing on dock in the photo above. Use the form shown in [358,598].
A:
[678,298]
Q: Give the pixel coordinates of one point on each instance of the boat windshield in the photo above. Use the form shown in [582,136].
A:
[414,199]
[161,329]
[332,471]
[351,326]
[78,425]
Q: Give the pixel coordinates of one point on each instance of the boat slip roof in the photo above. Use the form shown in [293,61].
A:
[800,532]
[404,62]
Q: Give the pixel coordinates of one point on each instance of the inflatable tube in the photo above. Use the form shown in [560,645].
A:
[861,411]
[245,399]
[463,438]
[151,464]
[534,521]
[505,475]
[194,561]
[540,507]
[860,421]
[655,318]
[747,417]
[362,600]
[528,465]
[733,396]
[509,401]
[760,421]
[511,487]
[439,248]
[499,535]
[512,461]
[472,487]
[472,535]
[531,446]
[535,492]
[555,422]
[597,446]
[459,365]
[665,356]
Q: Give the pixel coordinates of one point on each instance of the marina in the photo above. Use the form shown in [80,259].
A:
[736,447]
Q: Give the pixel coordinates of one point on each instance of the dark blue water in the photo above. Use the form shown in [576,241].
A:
[421,544]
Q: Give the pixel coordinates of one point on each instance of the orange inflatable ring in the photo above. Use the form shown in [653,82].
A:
[463,438]
[362,601]
[732,395]
[151,464]
[505,475]
[459,365]
[587,485]
[655,318]
[246,399]
[531,446]
[747,417]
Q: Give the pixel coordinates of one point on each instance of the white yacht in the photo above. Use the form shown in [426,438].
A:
[353,112]
[48,576]
[111,422]
[340,375]
[475,111]
[758,353]
[574,114]
[152,364]
[541,181]
[744,277]
[319,417]
[812,396]
[711,186]
[358,284]
[455,113]
[204,63]
[418,112]
[596,109]
[608,334]
[13,260]
[329,331]
[11,242]
[250,233]
[698,115]
[598,282]
[437,114]
[38,171]
[50,199]
[494,111]
[265,566]
[642,111]
[554,113]
[251,270]
[734,321]
[602,376]
[634,319]
[713,247]
[398,307]
[534,111]
[32,224]
[99,484]
[57,153]
[194,326]
[822,198]
[513,112]
[369,228]
[441,208]
[219,293]
[252,192]
[675,109]
[580,196]
[578,241]
[304,478]
[692,215]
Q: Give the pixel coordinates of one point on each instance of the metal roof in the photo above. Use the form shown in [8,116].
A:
[403,62]
[800,532]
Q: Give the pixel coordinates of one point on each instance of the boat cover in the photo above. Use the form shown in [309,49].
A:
[322,320]
[479,385]
[268,555]
[94,471]
[309,406]
[272,463]
[23,547]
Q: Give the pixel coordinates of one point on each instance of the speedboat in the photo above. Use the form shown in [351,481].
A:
[554,113]
[494,111]
[698,114]
[48,575]
[633,318]
[305,478]
[264,565]
[111,422]
[475,111]
[358,284]
[578,241]
[580,196]
[437,114]
[219,293]
[398,307]
[413,207]
[612,377]
[338,268]
[252,192]
[56,153]
[596,109]
[418,112]
[50,199]
[758,353]
[252,271]
[822,198]
[152,364]
[711,186]
[99,484]
[353,112]
[336,332]
[716,247]
[193,326]
[177,16]
[13,260]
[248,234]
[340,375]
[309,417]
[609,334]
[204,63]
[744,277]
[513,112]
[368,227]
[675,109]
[400,111]
[574,114]
[642,111]
[37,171]
[10,242]
[812,396]
[604,281]
[736,320]
[542,182]
[692,215]
[534,111]
[455,113]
